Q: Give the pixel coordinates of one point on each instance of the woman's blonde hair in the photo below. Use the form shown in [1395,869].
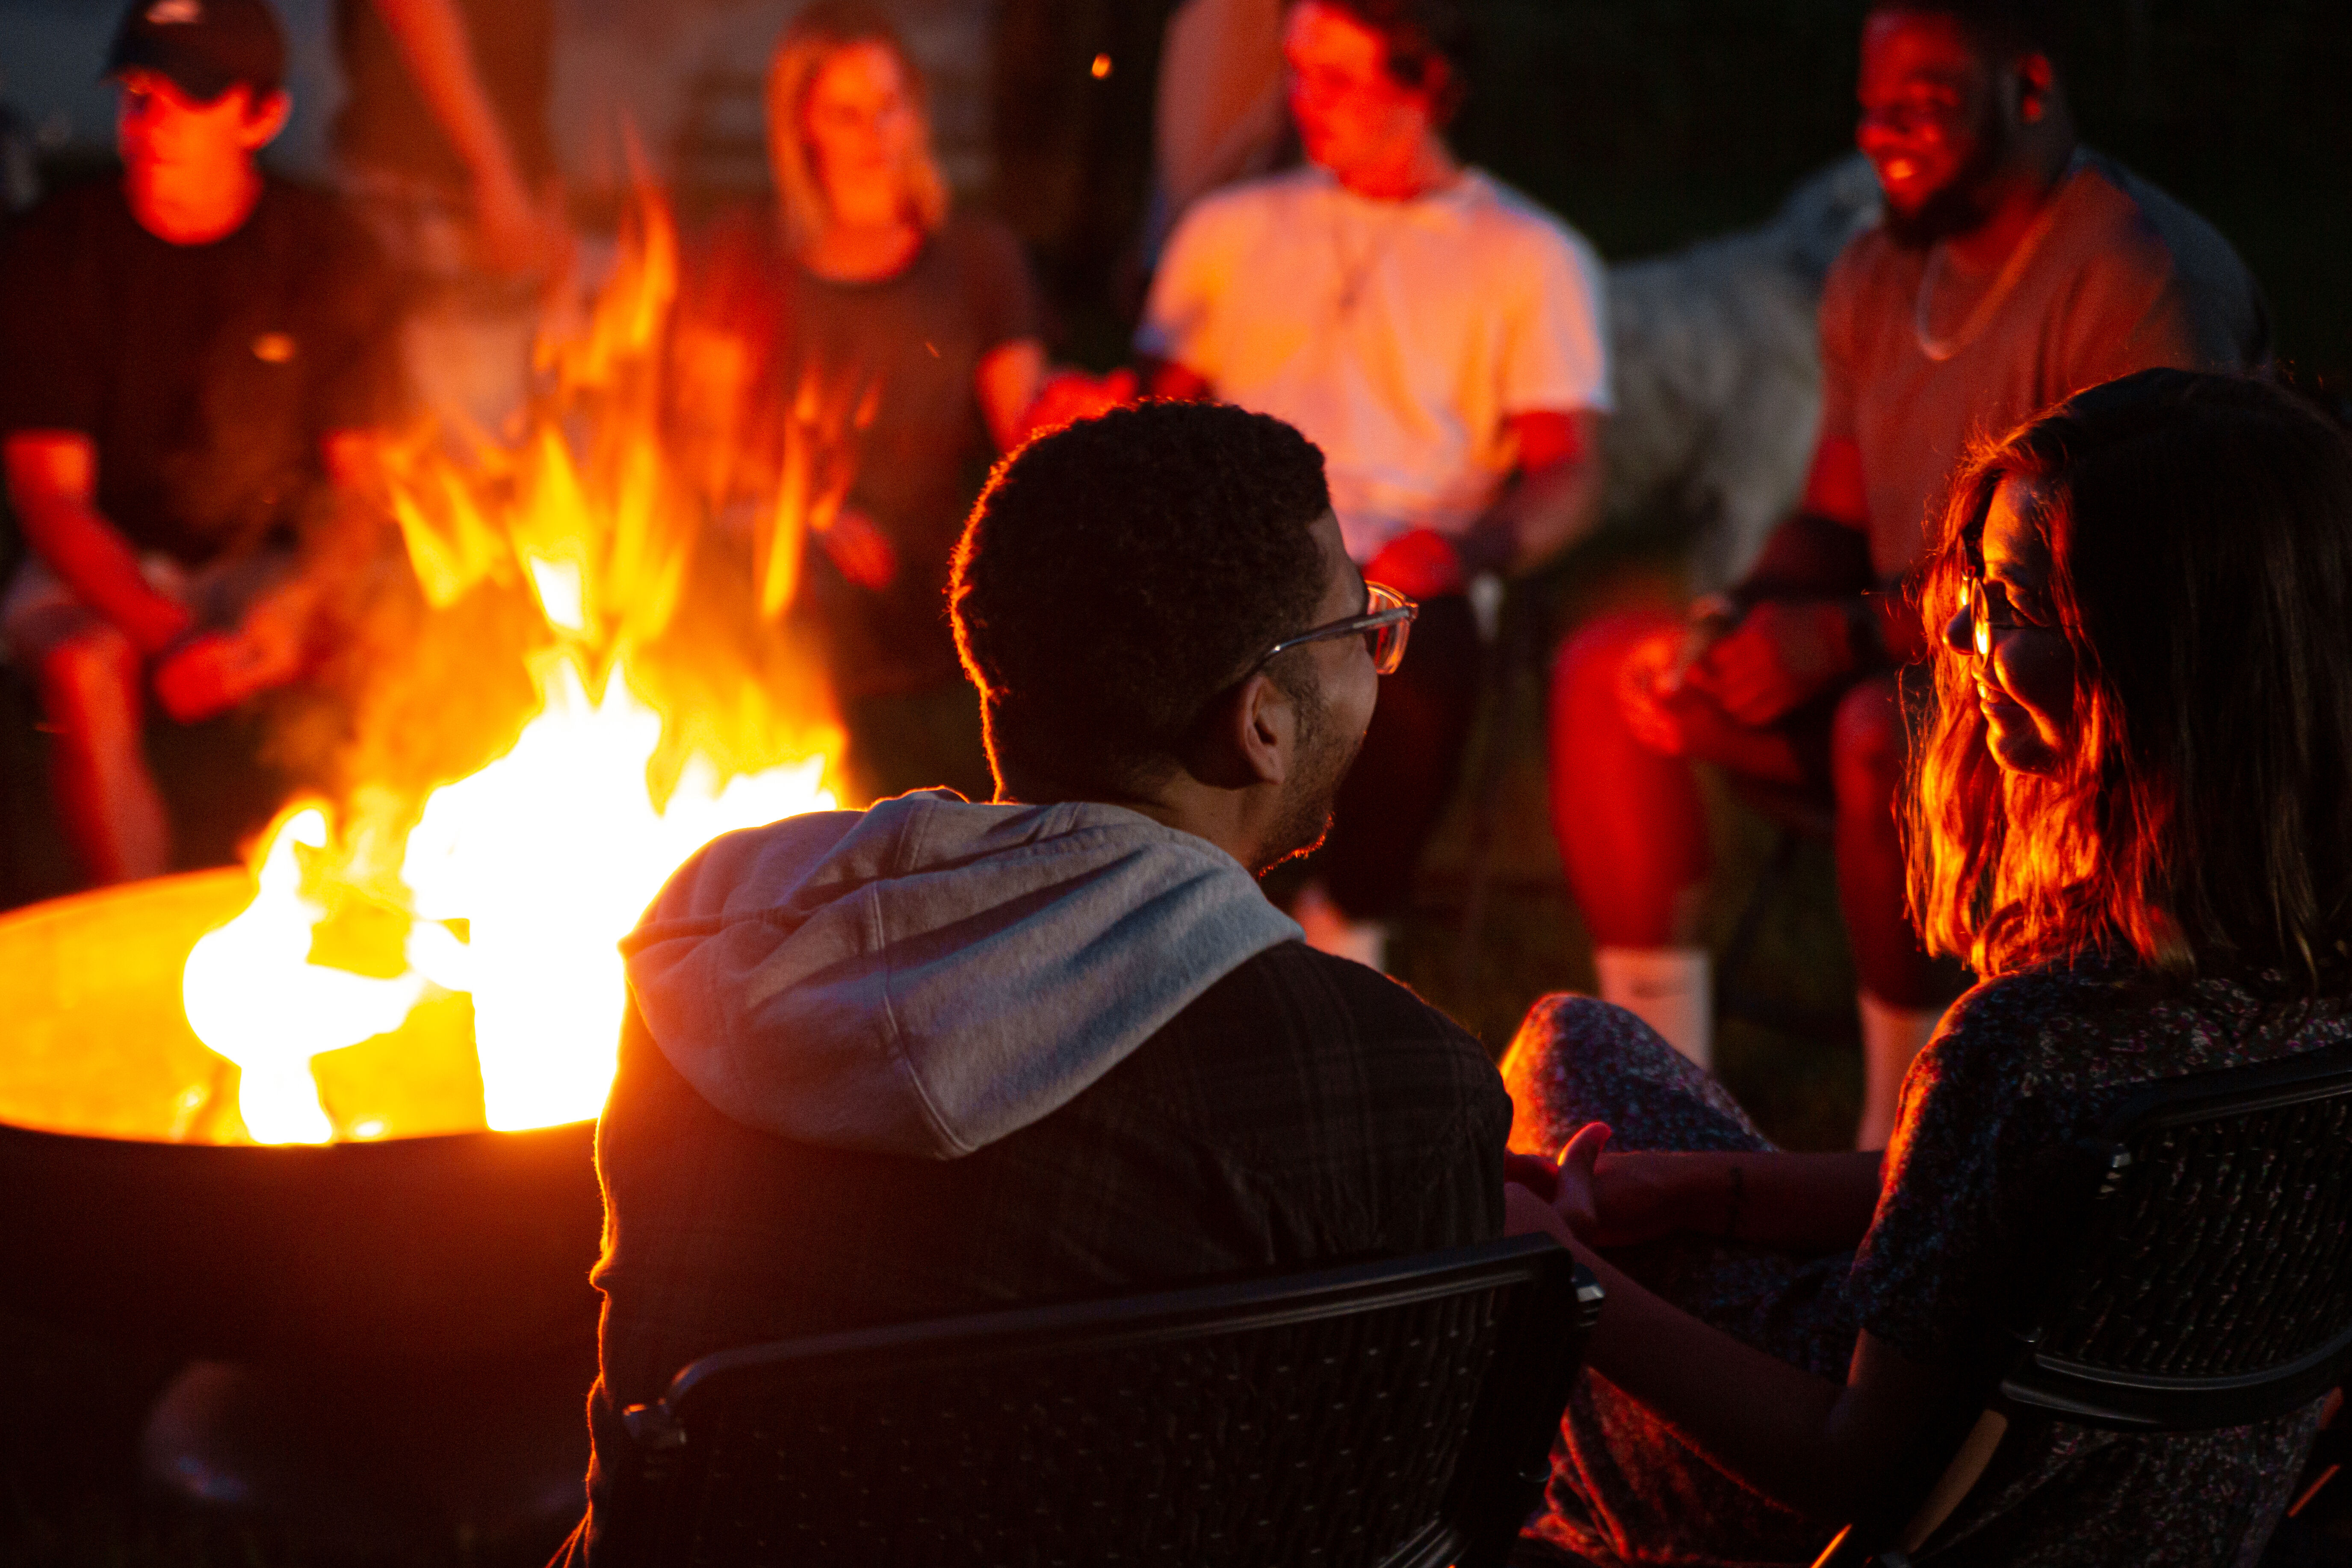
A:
[809,42]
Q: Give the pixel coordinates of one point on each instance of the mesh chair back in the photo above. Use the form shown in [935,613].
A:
[2213,1277]
[1393,1415]
[2192,1269]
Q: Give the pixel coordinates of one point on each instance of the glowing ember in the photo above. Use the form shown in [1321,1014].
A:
[515,881]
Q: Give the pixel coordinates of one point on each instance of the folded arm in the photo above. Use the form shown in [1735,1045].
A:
[1804,619]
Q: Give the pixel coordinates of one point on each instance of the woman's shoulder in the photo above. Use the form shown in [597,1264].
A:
[2077,1027]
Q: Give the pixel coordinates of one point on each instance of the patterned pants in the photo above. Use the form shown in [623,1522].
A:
[1625,1486]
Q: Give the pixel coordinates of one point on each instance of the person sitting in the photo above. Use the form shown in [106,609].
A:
[197,354]
[2010,270]
[2128,814]
[893,340]
[939,1055]
[1441,338]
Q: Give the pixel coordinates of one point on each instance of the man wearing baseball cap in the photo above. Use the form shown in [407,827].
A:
[195,354]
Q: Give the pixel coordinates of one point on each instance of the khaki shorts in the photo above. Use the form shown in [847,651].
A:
[38,611]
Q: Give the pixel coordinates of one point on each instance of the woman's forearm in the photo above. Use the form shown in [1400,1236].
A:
[1812,1445]
[1805,1202]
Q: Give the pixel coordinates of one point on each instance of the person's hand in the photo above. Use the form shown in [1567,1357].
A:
[154,622]
[1069,396]
[1420,564]
[1647,682]
[860,551]
[1533,1171]
[213,671]
[1779,655]
[1614,1200]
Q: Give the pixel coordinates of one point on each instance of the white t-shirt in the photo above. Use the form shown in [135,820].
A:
[1397,335]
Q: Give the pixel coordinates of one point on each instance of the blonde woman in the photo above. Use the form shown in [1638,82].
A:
[901,337]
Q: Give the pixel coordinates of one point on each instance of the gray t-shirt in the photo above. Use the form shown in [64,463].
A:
[2119,278]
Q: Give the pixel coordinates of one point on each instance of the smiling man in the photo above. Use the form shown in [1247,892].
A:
[1441,338]
[2011,269]
[196,356]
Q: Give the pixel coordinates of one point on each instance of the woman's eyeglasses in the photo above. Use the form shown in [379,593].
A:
[1989,611]
[1386,621]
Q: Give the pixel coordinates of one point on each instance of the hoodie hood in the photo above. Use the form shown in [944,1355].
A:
[926,976]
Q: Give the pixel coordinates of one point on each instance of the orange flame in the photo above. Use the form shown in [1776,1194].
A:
[650,735]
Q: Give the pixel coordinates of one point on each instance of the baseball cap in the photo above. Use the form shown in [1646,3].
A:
[204,47]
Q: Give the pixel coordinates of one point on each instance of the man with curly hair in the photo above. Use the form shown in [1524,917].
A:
[940,1055]
[1440,337]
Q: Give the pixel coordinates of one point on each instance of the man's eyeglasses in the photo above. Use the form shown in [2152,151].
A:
[1386,621]
[1989,611]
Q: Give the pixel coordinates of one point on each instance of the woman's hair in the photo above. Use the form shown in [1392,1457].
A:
[809,42]
[2200,536]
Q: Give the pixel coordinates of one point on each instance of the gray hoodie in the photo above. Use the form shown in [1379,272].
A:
[929,975]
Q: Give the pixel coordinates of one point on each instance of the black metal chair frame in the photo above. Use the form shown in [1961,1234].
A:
[1498,1473]
[2025,1373]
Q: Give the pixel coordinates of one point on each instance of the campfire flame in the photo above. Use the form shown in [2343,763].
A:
[515,881]
[252,995]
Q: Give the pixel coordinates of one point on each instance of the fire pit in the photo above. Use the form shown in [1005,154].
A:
[339,1300]
[134,1205]
[325,1127]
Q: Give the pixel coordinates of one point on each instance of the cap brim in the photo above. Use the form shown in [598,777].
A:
[200,80]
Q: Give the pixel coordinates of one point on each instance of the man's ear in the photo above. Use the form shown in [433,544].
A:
[266,118]
[1251,736]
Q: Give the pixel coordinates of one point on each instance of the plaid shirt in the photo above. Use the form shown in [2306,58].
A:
[1303,1109]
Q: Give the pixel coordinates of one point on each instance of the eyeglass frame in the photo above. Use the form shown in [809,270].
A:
[1977,596]
[1403,613]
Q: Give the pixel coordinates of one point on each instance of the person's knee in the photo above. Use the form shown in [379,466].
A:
[1589,673]
[1538,1071]
[90,681]
[1868,746]
[1592,659]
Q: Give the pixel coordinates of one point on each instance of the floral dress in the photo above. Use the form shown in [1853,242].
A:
[2021,1063]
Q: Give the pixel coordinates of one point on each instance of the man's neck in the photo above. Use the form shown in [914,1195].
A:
[181,212]
[1427,168]
[2020,196]
[1182,805]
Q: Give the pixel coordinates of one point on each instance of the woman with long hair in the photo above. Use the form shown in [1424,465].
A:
[885,342]
[2131,815]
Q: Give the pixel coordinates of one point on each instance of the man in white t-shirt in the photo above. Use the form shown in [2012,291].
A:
[1441,338]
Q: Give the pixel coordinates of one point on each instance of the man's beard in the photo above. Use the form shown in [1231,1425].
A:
[1324,758]
[1963,204]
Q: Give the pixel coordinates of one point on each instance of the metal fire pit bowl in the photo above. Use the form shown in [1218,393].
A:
[130,1208]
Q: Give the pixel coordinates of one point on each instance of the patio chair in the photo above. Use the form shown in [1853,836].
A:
[2191,1270]
[1394,1415]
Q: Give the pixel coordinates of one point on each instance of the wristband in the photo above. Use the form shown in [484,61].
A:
[1731,1208]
